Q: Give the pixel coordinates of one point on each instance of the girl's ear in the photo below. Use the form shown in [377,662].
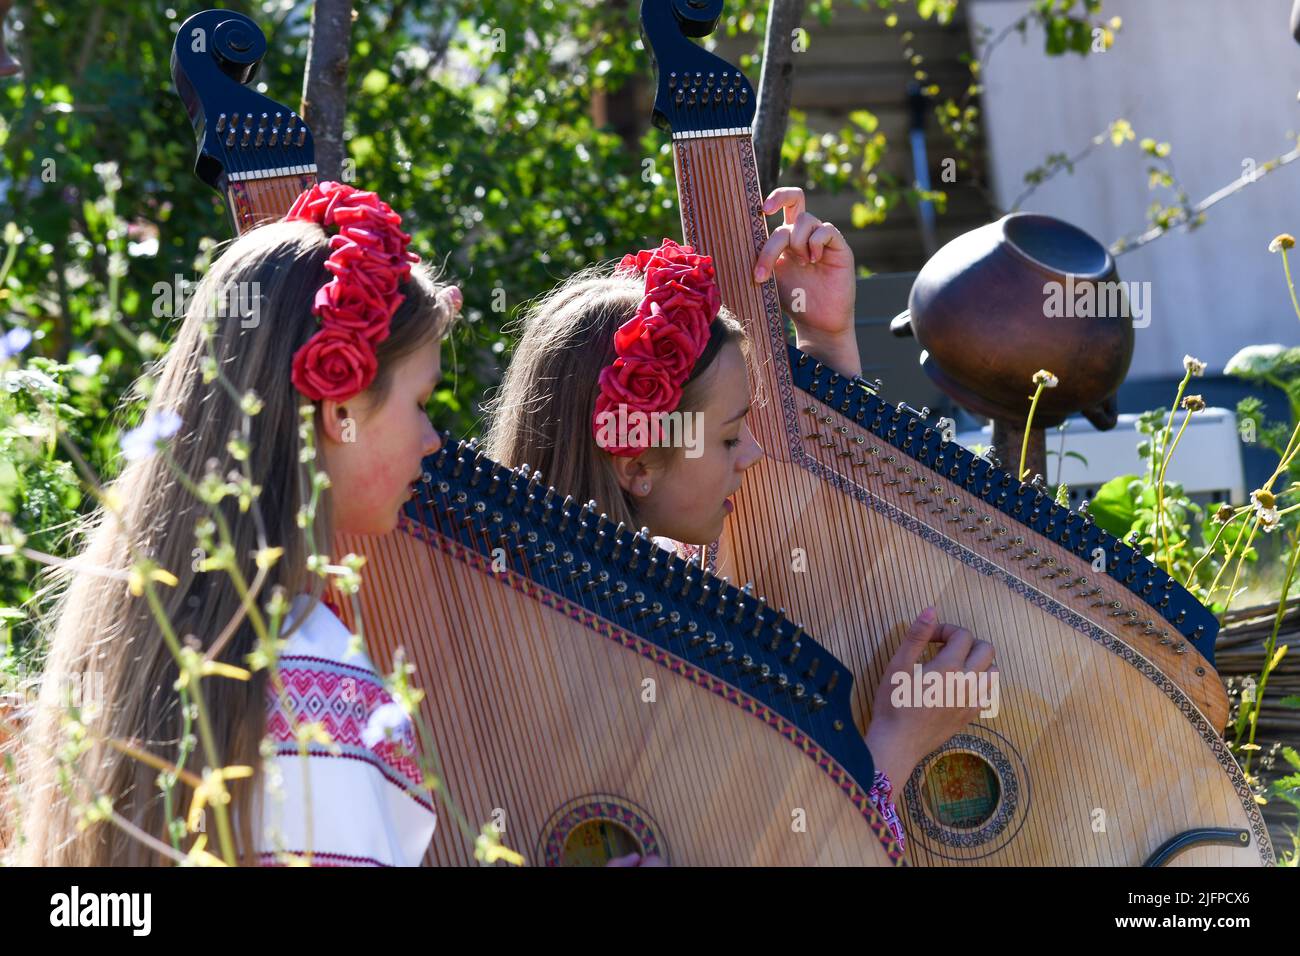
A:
[633,475]
[335,418]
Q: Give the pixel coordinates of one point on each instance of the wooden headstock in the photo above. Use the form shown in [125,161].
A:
[258,153]
[697,90]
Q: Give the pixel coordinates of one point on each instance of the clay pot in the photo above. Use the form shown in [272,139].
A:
[1027,292]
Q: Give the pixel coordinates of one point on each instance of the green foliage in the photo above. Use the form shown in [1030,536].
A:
[38,490]
[1068,30]
[1275,365]
[1193,545]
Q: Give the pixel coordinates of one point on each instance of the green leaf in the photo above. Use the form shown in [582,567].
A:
[1243,718]
[1113,508]
[1291,757]
[9,485]
[865,119]
[1256,361]
[375,82]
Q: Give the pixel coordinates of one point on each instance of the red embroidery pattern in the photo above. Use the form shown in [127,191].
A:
[343,699]
[882,795]
[320,859]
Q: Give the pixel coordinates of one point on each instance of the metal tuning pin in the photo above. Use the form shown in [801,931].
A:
[661,559]
[721,607]
[638,541]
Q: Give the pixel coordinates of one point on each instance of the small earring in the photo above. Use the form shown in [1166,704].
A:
[645,486]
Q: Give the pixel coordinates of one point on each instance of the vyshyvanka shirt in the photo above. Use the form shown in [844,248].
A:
[357,801]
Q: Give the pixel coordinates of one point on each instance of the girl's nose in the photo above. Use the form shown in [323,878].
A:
[754,452]
[433,440]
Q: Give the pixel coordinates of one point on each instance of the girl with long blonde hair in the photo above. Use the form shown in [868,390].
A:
[337,360]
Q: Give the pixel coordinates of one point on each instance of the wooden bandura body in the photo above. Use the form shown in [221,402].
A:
[627,689]
[1106,742]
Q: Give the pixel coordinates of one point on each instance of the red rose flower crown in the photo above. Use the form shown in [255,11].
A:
[368,259]
[658,347]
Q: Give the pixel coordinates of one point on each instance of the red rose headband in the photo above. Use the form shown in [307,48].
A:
[368,259]
[659,346]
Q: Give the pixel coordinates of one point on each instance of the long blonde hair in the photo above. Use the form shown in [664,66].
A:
[542,413]
[102,636]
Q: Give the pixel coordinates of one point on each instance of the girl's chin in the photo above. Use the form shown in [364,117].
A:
[709,535]
[373,526]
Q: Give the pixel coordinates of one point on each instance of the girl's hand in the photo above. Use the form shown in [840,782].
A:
[899,737]
[815,278]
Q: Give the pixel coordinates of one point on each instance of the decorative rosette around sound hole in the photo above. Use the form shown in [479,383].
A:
[591,830]
[970,794]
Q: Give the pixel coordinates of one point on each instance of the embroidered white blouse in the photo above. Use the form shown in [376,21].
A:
[358,802]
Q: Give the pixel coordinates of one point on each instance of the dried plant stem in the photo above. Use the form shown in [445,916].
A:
[1164,453]
[1029,424]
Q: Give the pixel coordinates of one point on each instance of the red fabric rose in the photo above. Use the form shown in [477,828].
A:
[658,347]
[639,384]
[368,261]
[335,363]
[642,387]
[356,308]
[638,261]
[694,312]
[662,338]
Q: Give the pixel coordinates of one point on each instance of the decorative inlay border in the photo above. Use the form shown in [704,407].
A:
[601,806]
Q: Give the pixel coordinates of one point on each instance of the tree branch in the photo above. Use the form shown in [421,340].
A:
[324,86]
[775,87]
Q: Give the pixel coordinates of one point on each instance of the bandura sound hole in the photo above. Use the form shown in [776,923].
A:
[596,842]
[962,790]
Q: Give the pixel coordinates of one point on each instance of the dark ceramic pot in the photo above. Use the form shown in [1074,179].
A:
[1027,292]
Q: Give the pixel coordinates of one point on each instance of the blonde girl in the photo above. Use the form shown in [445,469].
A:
[349,324]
